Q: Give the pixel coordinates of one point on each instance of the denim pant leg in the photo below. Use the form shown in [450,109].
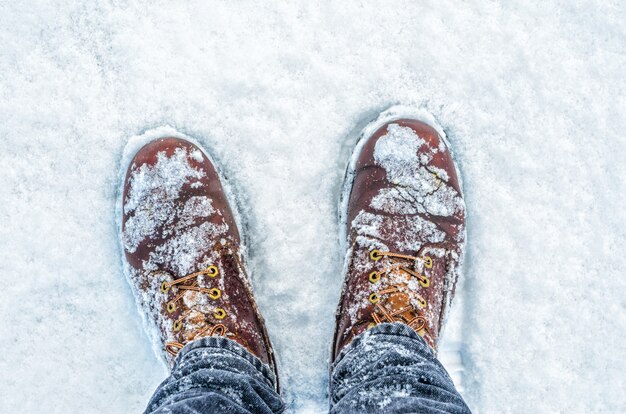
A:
[217,375]
[391,369]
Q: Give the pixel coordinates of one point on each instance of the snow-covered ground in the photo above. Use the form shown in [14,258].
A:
[532,97]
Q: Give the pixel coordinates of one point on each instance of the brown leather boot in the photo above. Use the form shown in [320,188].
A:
[405,216]
[183,251]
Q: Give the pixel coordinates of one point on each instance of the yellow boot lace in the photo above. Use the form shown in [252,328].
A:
[399,302]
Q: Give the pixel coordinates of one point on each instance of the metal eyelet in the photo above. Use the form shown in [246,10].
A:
[211,271]
[425,282]
[219,313]
[375,255]
[428,262]
[374,277]
[374,298]
[215,293]
[171,307]
[165,287]
[177,326]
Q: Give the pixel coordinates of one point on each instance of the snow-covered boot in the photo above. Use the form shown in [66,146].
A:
[404,216]
[183,251]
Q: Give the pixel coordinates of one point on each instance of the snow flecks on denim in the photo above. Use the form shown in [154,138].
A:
[217,375]
[391,369]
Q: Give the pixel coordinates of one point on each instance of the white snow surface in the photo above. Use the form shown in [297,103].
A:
[530,94]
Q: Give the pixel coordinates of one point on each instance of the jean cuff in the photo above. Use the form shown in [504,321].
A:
[221,343]
[396,329]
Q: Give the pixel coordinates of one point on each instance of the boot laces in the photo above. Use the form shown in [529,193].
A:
[399,301]
[183,285]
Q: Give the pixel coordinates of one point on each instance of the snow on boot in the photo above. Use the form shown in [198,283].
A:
[183,251]
[404,216]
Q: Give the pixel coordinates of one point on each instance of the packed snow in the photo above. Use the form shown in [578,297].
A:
[151,191]
[531,95]
[419,188]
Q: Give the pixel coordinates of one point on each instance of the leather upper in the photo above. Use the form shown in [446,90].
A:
[177,221]
[406,199]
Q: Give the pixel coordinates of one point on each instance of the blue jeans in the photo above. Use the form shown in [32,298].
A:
[387,369]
